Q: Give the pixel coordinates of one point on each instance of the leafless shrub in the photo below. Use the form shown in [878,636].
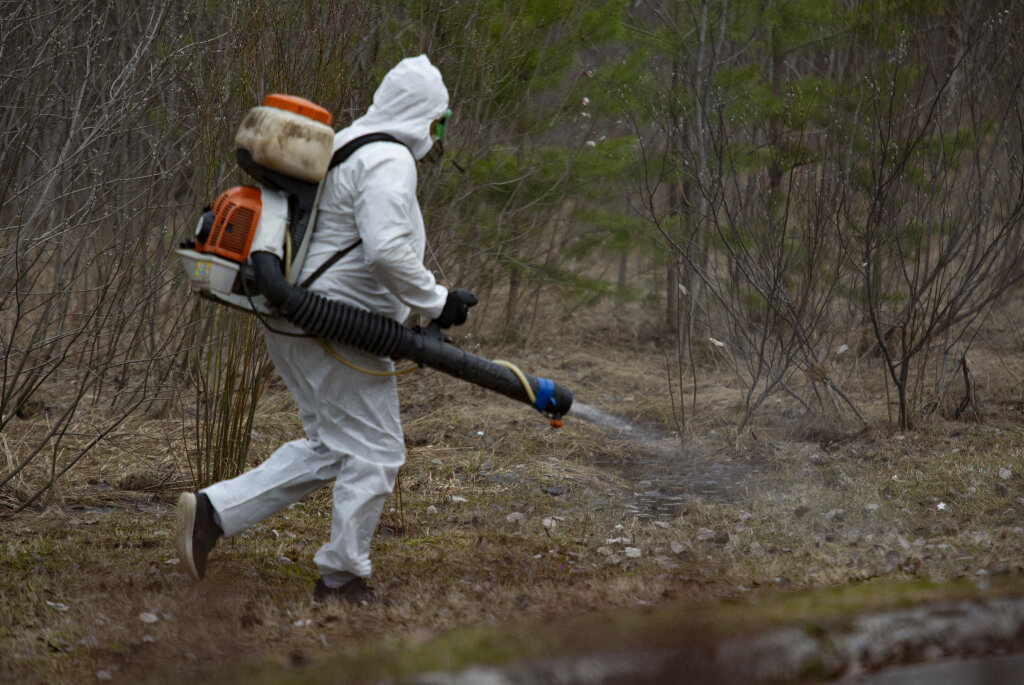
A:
[805,217]
[933,222]
[85,225]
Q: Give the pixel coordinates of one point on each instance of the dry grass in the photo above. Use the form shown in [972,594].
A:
[796,506]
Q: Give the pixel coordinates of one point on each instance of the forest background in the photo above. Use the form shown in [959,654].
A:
[792,194]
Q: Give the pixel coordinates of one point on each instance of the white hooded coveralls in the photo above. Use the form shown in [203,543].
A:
[351,421]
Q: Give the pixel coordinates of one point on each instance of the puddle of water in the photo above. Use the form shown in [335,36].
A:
[672,474]
[994,670]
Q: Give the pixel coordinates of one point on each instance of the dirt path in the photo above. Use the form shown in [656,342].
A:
[511,543]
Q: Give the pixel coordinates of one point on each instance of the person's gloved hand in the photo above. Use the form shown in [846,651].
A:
[456,308]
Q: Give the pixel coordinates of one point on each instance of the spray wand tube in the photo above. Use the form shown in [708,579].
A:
[381,336]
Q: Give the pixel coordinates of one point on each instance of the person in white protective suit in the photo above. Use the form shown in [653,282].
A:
[351,418]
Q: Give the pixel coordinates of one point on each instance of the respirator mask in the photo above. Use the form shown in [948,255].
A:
[436,152]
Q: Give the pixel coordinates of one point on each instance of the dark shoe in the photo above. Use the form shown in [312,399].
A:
[196,532]
[355,591]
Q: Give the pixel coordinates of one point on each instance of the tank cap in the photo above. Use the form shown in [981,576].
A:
[293,103]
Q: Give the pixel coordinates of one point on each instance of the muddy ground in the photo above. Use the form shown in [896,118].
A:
[640,528]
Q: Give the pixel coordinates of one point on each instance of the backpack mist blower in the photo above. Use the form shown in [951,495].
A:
[250,243]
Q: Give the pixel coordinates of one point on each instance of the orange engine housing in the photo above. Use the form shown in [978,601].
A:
[236,212]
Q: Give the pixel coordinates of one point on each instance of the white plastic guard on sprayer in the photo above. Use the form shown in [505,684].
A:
[208,274]
[272,226]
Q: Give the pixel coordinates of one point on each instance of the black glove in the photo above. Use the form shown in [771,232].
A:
[456,308]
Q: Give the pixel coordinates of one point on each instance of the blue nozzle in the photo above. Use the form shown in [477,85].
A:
[545,392]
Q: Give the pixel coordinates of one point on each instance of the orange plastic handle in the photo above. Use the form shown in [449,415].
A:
[293,103]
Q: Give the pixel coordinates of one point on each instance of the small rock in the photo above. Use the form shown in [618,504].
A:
[721,537]
[632,553]
[605,551]
[744,516]
[1005,474]
[676,547]
[431,510]
[58,644]
[834,514]
[617,541]
[705,535]
[557,490]
[942,506]
[666,563]
[801,510]
[104,675]
[458,499]
[284,560]
[755,549]
[148,617]
[661,524]
[549,523]
[516,517]
[59,606]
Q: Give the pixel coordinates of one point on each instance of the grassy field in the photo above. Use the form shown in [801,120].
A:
[510,539]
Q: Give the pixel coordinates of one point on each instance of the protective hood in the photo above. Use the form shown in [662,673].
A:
[408,99]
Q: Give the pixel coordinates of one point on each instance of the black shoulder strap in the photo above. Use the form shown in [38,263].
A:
[346,150]
[339,157]
[331,261]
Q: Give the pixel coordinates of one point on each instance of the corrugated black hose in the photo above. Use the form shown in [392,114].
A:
[384,337]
